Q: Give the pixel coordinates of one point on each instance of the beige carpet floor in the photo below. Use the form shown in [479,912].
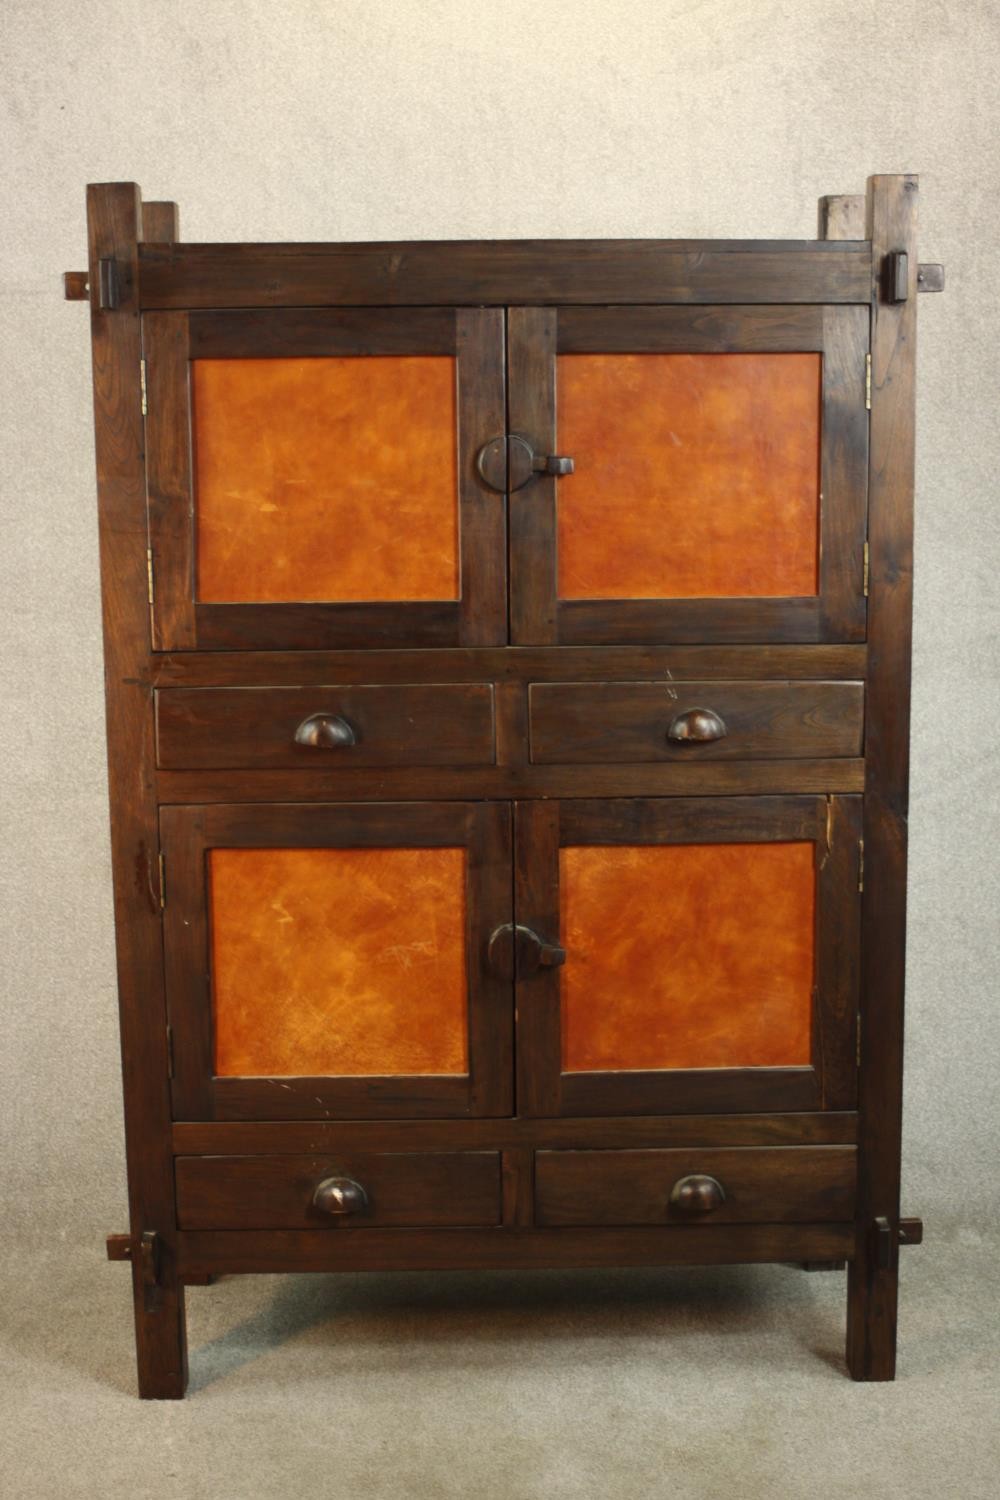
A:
[689,1384]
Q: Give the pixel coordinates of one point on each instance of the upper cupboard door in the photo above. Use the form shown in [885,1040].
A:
[312,481]
[719,474]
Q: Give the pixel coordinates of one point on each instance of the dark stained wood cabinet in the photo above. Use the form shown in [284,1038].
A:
[507,675]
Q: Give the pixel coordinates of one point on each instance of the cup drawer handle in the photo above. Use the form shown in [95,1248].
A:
[325,732]
[340,1195]
[697,1195]
[699,726]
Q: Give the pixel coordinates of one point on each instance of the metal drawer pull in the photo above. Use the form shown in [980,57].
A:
[697,1195]
[325,732]
[699,726]
[340,1195]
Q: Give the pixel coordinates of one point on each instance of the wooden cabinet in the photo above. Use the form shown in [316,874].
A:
[508,649]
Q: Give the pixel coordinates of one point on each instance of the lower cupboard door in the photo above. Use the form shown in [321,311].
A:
[687,955]
[330,960]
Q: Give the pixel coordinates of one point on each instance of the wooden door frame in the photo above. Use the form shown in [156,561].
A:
[536,336]
[171,340]
[187,832]
[828,1082]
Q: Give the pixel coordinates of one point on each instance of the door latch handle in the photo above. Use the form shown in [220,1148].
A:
[507,463]
[552,463]
[516,952]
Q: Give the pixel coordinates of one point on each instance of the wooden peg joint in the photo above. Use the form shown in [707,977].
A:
[896,276]
[119,1246]
[76,286]
[886,1245]
[109,284]
[886,1241]
[149,1258]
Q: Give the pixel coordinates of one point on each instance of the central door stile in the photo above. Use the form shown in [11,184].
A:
[531,414]
[536,907]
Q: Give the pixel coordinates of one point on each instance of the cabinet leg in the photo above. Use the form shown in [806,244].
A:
[160,1335]
[872,1294]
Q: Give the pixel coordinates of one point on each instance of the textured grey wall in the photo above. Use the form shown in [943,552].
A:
[357,119]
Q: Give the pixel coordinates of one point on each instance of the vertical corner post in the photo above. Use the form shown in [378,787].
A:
[873,1277]
[114,218]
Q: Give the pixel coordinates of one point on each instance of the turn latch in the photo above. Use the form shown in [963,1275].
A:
[507,463]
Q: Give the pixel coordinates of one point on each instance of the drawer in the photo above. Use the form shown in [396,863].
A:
[581,722]
[317,727]
[769,1184]
[390,1189]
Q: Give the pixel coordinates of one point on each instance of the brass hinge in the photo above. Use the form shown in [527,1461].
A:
[858,1045]
[170,1052]
[865,571]
[142,385]
[861,864]
[868,382]
[149,573]
[163,881]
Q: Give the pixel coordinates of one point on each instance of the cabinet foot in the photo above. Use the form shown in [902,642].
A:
[160,1322]
[872,1294]
[160,1338]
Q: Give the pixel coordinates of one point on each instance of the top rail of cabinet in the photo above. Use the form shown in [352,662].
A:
[410,273]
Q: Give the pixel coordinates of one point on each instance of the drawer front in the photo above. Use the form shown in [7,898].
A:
[573,723]
[386,1190]
[325,727]
[772,1184]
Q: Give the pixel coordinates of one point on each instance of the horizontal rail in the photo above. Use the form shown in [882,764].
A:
[277,1137]
[471,272]
[208,1252]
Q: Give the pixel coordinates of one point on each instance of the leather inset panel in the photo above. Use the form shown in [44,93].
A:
[697,475]
[687,955]
[327,479]
[338,961]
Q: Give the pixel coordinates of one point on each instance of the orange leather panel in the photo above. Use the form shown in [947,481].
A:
[338,961]
[325,479]
[697,475]
[687,955]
